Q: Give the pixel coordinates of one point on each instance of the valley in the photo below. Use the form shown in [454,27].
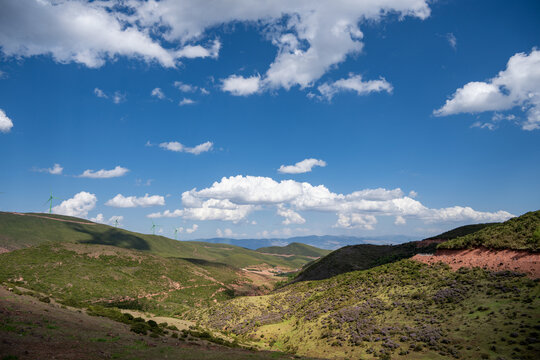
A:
[415,300]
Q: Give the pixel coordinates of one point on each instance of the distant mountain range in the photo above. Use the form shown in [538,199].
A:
[329,242]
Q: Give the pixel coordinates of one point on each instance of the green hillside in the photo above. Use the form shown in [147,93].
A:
[81,274]
[402,310]
[295,249]
[460,231]
[18,231]
[519,233]
[366,256]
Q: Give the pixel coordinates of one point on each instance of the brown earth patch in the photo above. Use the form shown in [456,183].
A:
[496,260]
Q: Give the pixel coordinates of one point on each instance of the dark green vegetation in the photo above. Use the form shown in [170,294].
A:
[358,257]
[403,309]
[295,249]
[80,275]
[460,231]
[519,233]
[18,231]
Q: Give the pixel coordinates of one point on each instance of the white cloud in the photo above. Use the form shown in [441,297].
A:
[178,147]
[197,51]
[400,220]
[104,174]
[291,217]
[76,31]
[192,229]
[241,86]
[5,123]
[356,221]
[186,101]
[118,97]
[452,40]
[235,197]
[303,166]
[122,201]
[157,92]
[79,205]
[185,87]
[516,86]
[310,36]
[55,170]
[166,214]
[225,233]
[100,93]
[354,83]
[99,219]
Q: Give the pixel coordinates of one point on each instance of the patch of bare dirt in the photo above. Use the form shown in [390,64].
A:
[495,260]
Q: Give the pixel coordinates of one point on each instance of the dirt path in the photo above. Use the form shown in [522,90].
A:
[497,260]
[51,218]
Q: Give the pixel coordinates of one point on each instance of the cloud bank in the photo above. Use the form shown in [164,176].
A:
[234,198]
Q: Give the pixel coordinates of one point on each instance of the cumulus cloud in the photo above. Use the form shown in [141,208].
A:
[310,37]
[234,198]
[185,87]
[356,84]
[516,86]
[303,166]
[100,93]
[104,174]
[178,147]
[55,170]
[192,229]
[186,101]
[88,33]
[291,217]
[79,205]
[5,123]
[198,51]
[241,86]
[400,220]
[166,214]
[122,201]
[157,92]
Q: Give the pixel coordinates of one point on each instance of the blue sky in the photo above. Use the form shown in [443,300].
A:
[409,118]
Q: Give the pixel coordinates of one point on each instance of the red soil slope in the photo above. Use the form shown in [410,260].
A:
[514,260]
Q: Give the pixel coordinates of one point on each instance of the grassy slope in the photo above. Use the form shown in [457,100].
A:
[22,231]
[460,231]
[519,233]
[365,256]
[25,323]
[80,274]
[295,249]
[398,310]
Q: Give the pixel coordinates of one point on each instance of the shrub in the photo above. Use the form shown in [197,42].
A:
[140,328]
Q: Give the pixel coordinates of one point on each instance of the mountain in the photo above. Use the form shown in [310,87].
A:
[519,233]
[23,230]
[295,249]
[400,310]
[365,256]
[330,242]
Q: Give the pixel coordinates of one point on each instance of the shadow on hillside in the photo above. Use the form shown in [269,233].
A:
[112,237]
[205,263]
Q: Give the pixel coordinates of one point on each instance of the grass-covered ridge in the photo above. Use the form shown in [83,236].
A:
[19,231]
[81,275]
[519,233]
[400,310]
[295,249]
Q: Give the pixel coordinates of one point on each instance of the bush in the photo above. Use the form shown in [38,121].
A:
[140,328]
